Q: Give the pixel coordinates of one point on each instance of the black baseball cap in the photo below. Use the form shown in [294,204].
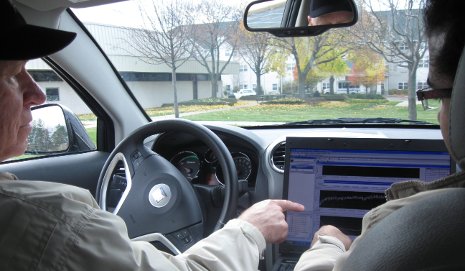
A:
[320,7]
[22,41]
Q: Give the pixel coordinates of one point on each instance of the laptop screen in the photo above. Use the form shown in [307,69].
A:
[338,180]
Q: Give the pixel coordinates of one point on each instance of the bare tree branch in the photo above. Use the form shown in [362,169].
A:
[397,34]
[255,49]
[163,40]
[215,30]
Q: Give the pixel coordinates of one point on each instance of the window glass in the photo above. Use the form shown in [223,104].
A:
[53,94]
[403,85]
[367,65]
[50,132]
[424,63]
[421,85]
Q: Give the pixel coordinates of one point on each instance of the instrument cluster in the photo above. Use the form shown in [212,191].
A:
[203,168]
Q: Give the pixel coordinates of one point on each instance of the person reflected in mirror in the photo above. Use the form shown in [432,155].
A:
[54,226]
[444,28]
[329,12]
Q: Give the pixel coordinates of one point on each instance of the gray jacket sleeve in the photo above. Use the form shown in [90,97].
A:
[322,255]
[104,243]
[57,227]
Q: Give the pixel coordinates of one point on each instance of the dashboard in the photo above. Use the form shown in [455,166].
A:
[259,153]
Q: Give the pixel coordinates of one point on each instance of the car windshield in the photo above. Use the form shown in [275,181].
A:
[195,60]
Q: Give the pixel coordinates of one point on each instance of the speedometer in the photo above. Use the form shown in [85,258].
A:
[188,163]
[243,165]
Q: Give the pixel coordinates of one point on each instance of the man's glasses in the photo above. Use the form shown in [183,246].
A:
[427,93]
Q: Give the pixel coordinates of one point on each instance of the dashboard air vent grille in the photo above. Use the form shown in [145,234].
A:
[278,156]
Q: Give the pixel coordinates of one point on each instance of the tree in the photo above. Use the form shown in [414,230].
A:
[59,138]
[276,62]
[216,30]
[38,139]
[313,77]
[312,52]
[255,49]
[324,53]
[396,34]
[368,68]
[333,68]
[164,39]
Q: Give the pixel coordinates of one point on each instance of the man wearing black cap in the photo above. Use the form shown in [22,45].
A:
[51,226]
[326,12]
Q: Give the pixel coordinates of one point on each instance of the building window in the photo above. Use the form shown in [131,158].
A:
[275,86]
[421,85]
[53,94]
[254,86]
[423,63]
[325,85]
[243,68]
[403,85]
[343,85]
[228,88]
[290,67]
[243,86]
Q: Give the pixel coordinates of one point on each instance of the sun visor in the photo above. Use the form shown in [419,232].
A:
[457,115]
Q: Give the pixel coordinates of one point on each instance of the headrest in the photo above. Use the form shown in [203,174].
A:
[457,115]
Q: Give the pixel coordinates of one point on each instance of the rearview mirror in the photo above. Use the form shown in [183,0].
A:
[291,18]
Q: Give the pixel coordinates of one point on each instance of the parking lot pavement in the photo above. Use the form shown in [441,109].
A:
[402,100]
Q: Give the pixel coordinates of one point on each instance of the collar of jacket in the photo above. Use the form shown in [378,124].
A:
[409,188]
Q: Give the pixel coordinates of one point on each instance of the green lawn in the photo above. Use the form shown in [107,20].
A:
[356,108]
[92,132]
[362,108]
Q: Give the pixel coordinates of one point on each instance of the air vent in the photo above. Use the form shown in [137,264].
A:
[278,156]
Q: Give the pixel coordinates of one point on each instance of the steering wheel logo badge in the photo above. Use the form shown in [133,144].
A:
[160,195]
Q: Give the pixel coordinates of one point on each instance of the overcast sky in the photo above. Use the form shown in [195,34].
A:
[126,13]
[120,13]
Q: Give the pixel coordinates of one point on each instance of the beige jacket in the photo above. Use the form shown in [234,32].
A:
[51,226]
[329,253]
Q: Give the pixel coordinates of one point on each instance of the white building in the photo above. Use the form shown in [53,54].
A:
[150,83]
[396,78]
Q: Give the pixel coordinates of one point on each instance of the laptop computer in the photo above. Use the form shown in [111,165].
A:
[338,180]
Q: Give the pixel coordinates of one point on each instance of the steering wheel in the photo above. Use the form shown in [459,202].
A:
[158,202]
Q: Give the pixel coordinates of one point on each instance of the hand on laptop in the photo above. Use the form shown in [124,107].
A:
[268,217]
[329,230]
